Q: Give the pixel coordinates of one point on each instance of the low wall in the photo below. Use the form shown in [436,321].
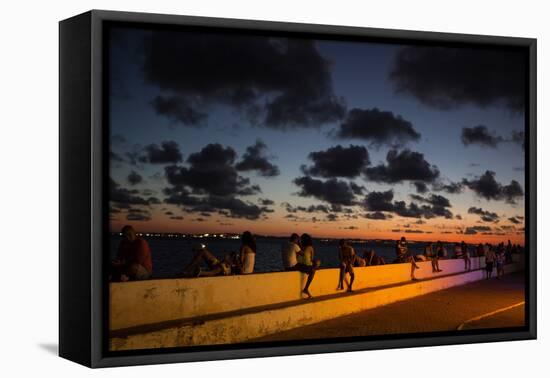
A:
[241,326]
[148,302]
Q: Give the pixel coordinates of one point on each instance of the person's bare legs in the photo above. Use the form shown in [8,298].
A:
[413,268]
[352,278]
[342,274]
[200,256]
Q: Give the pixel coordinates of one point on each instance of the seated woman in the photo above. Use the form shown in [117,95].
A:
[306,262]
[216,267]
[247,253]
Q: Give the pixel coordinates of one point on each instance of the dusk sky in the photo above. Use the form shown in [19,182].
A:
[226,133]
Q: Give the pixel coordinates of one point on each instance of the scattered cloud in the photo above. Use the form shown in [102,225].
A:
[134,178]
[338,161]
[241,71]
[487,187]
[402,166]
[447,78]
[377,127]
[254,159]
[480,135]
[486,216]
[333,191]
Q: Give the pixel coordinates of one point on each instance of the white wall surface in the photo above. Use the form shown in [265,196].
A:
[28,185]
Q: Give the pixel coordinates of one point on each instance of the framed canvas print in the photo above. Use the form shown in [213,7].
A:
[233,188]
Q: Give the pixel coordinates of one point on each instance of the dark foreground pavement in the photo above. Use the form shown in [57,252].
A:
[444,310]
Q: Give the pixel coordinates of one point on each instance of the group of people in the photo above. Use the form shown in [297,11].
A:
[133,260]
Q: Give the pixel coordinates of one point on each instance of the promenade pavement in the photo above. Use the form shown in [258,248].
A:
[444,310]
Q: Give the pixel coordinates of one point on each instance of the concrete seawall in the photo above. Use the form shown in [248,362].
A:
[219,310]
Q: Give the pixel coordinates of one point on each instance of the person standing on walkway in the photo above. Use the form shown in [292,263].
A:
[290,253]
[346,253]
[466,256]
[490,258]
[500,260]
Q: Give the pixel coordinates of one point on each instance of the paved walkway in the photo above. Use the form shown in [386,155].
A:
[444,310]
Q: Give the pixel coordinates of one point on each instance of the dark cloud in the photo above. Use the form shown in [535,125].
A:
[433,206]
[458,216]
[446,78]
[309,209]
[451,187]
[176,217]
[476,229]
[338,161]
[332,217]
[211,171]
[140,215]
[515,220]
[421,187]
[487,187]
[210,183]
[378,215]
[281,82]
[179,109]
[124,197]
[333,191]
[486,216]
[167,153]
[134,178]
[401,166]
[349,228]
[254,159]
[378,127]
[266,202]
[480,135]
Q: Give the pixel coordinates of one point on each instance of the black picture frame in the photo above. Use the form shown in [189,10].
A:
[83,189]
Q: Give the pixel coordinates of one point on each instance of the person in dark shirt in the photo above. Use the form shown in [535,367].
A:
[133,261]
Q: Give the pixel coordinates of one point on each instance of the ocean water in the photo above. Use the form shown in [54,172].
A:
[171,255]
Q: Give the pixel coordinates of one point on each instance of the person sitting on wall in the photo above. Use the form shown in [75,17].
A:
[403,256]
[133,261]
[247,253]
[291,252]
[216,267]
[347,256]
[372,259]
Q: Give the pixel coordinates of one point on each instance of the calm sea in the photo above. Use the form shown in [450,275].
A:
[171,255]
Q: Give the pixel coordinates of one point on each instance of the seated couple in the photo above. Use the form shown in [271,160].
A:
[232,263]
[297,255]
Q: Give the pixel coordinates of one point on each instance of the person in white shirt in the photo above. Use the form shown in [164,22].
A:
[247,253]
[292,251]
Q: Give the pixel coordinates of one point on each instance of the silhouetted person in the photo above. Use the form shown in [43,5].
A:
[347,256]
[292,253]
[403,256]
[133,261]
[466,256]
[215,266]
[490,258]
